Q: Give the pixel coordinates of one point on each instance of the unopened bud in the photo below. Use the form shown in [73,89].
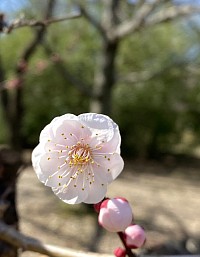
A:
[115,214]
[134,236]
[120,252]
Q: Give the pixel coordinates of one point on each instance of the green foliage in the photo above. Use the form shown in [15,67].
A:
[53,94]
[150,112]
[153,115]
[48,95]
[148,126]
[12,47]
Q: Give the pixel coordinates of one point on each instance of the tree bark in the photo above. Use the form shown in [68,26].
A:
[104,79]
[10,162]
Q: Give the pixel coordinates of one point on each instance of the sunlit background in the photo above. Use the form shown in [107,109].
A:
[154,97]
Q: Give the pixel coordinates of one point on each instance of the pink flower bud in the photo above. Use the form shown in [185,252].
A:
[120,252]
[115,214]
[134,236]
[97,206]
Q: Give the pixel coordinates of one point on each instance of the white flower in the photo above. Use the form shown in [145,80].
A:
[78,156]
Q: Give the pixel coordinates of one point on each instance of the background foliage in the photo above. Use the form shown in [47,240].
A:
[154,115]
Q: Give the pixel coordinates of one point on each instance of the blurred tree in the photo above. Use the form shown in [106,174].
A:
[92,58]
[120,60]
[12,105]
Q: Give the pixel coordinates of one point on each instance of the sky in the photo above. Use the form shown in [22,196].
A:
[9,6]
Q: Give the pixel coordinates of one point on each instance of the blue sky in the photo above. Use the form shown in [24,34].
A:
[9,6]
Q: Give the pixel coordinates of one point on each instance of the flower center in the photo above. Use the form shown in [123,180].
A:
[79,154]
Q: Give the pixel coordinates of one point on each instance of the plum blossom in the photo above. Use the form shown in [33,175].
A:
[134,236]
[78,156]
[115,214]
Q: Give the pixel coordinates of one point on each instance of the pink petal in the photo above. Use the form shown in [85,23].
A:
[113,145]
[96,191]
[116,215]
[48,164]
[47,132]
[73,194]
[120,213]
[134,236]
[111,164]
[36,155]
[99,124]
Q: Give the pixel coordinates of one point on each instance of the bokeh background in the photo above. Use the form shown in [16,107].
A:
[136,61]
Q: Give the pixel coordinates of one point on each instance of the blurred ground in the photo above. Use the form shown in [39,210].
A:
[165,199]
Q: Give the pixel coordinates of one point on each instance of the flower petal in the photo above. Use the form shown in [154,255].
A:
[78,156]
[36,155]
[49,163]
[110,164]
[113,145]
[99,124]
[115,215]
[115,167]
[96,191]
[74,192]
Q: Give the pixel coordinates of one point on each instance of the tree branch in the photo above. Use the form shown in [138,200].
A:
[14,111]
[171,13]
[38,23]
[26,243]
[137,20]
[95,23]
[61,68]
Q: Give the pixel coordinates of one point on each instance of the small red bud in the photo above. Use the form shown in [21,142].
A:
[97,206]
[120,252]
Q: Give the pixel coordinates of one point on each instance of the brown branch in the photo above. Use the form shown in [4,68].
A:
[38,23]
[12,103]
[142,18]
[26,243]
[171,13]
[110,18]
[137,20]
[128,250]
[62,69]
[92,20]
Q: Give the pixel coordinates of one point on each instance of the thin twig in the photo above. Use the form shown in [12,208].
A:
[41,23]
[72,78]
[92,20]
[128,250]
[172,13]
[137,21]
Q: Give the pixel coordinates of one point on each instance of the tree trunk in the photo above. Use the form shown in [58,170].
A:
[10,162]
[104,79]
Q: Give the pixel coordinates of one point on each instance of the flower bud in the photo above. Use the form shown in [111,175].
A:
[120,252]
[134,236]
[97,206]
[115,214]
